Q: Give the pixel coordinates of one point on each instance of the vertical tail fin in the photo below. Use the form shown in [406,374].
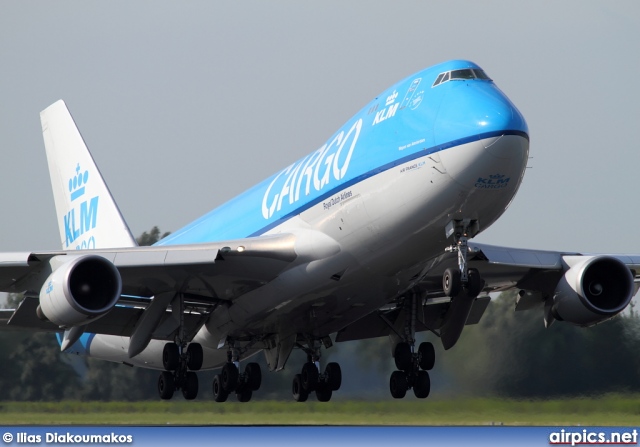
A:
[88,217]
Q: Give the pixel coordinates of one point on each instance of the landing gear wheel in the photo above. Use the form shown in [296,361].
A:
[166,385]
[451,282]
[219,395]
[254,374]
[309,376]
[190,387]
[334,376]
[427,356]
[422,385]
[170,357]
[195,356]
[402,356]
[475,284]
[229,377]
[299,393]
[398,384]
[244,395]
[323,392]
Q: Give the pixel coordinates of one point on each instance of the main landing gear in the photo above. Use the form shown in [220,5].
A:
[230,379]
[412,370]
[180,362]
[412,366]
[179,370]
[311,379]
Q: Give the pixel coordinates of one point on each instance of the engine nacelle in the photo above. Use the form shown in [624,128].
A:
[80,291]
[593,290]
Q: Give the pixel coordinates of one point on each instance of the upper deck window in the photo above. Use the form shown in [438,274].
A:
[463,74]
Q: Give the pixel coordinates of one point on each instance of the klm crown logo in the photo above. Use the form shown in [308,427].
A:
[85,209]
[496,176]
[391,98]
[76,183]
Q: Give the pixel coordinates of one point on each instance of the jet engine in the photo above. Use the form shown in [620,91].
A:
[593,290]
[80,291]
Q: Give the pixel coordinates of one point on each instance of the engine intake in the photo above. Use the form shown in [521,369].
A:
[593,290]
[80,290]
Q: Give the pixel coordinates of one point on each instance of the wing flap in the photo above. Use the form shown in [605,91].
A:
[431,318]
[520,257]
[120,321]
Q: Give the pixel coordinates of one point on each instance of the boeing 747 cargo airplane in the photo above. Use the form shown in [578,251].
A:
[368,236]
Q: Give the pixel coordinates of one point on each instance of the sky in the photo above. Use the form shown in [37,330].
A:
[186,104]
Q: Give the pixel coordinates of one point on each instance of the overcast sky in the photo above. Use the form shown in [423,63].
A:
[186,104]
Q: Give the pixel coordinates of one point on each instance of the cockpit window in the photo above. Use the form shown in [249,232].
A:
[480,74]
[463,74]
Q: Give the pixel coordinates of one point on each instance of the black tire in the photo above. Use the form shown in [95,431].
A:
[475,283]
[398,384]
[299,393]
[190,387]
[254,376]
[170,357]
[422,386]
[402,356]
[334,376]
[309,376]
[451,282]
[323,392]
[427,356]
[244,395]
[229,377]
[219,395]
[166,385]
[195,356]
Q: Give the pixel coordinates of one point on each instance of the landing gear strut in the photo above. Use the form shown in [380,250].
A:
[454,280]
[462,284]
[311,379]
[230,379]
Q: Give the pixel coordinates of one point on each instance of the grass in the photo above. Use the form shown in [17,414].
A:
[606,410]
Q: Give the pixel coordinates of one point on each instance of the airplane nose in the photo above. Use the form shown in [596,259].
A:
[487,134]
[475,108]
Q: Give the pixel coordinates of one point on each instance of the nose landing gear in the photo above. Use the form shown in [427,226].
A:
[462,284]
[455,280]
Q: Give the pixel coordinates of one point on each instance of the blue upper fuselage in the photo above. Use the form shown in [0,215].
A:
[440,107]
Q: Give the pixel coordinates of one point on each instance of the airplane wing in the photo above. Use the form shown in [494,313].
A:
[538,275]
[207,275]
